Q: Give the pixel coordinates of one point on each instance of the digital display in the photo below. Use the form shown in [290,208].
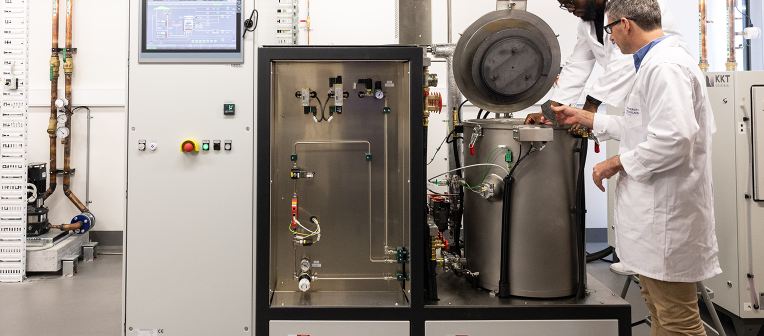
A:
[191,26]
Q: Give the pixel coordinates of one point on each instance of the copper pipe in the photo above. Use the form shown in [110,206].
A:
[731,63]
[68,70]
[54,66]
[703,36]
[67,227]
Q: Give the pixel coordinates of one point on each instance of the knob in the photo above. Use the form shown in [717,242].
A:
[304,285]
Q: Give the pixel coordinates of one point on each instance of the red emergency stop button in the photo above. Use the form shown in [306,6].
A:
[189,145]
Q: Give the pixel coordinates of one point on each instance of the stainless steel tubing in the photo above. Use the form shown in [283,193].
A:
[369,151]
[542,232]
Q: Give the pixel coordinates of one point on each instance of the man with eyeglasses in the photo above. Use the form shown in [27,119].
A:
[592,46]
[664,206]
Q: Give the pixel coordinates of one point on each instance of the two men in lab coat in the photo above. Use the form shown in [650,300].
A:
[593,46]
[664,194]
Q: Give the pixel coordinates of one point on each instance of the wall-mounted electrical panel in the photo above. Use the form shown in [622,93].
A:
[13,149]
[188,235]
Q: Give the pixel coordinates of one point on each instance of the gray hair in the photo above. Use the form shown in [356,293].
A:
[645,13]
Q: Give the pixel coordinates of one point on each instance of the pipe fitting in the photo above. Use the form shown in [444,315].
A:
[69,65]
[55,64]
[52,128]
[731,66]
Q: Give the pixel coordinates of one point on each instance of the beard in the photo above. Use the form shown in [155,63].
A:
[591,11]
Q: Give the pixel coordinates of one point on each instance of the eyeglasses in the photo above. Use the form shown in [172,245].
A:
[609,28]
[568,5]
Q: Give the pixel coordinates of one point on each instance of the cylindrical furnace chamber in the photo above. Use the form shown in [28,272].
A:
[542,258]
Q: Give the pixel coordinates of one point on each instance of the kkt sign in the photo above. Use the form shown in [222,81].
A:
[718,81]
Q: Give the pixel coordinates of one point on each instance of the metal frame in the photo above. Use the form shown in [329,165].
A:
[419,310]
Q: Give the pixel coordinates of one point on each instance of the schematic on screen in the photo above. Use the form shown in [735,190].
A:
[191,26]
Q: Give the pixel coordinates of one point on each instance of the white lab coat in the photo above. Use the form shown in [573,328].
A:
[664,208]
[611,87]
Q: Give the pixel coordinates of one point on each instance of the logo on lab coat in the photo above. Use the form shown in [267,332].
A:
[718,81]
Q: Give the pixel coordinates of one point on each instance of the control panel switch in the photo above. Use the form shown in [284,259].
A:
[141,145]
[215,144]
[227,145]
[229,109]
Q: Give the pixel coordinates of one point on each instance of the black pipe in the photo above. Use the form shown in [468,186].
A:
[580,219]
[599,254]
[506,213]
[460,211]
[430,267]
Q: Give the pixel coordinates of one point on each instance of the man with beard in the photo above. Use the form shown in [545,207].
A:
[593,46]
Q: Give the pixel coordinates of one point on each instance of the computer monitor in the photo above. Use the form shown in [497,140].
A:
[191,31]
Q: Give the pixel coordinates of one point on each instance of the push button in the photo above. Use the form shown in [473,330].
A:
[227,145]
[216,144]
[189,145]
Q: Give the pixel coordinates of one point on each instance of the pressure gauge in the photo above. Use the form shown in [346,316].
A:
[62,118]
[62,132]
[305,264]
[61,102]
[379,94]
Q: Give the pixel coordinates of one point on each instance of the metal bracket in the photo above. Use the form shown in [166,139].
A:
[512,4]
[69,266]
[89,251]
[58,50]
[63,172]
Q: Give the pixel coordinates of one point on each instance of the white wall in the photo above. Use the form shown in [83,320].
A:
[100,35]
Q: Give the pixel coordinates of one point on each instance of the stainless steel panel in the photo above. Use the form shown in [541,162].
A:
[522,328]
[339,299]
[456,291]
[339,328]
[363,206]
[414,21]
[545,179]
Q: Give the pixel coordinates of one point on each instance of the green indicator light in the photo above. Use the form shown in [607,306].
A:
[205,146]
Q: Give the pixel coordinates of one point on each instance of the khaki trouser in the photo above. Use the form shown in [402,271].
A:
[673,307]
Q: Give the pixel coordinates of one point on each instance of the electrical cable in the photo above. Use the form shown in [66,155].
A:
[485,173]
[250,26]
[750,23]
[459,110]
[438,149]
[470,166]
[480,114]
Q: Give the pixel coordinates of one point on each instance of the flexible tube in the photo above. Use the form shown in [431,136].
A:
[581,220]
[470,166]
[506,214]
[460,210]
[599,254]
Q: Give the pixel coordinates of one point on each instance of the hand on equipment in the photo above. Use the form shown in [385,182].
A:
[533,119]
[605,170]
[568,115]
